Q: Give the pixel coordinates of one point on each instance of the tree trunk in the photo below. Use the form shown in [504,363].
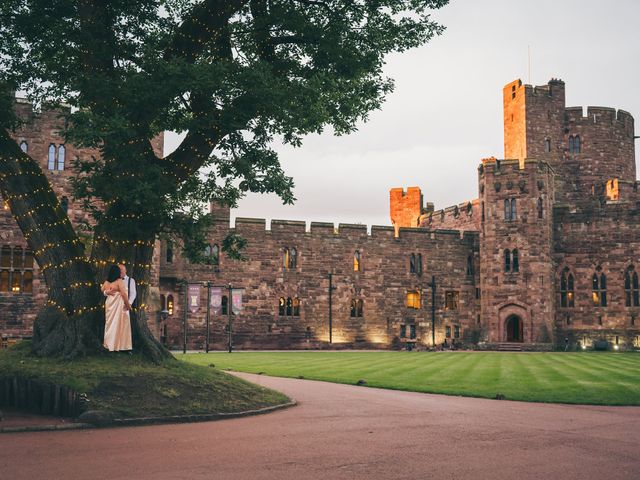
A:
[70,325]
[137,256]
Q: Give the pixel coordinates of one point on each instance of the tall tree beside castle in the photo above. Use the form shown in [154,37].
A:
[231,74]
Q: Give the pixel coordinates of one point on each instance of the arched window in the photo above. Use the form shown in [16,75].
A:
[356,261]
[64,204]
[547,145]
[215,255]
[296,307]
[599,289]
[207,251]
[282,303]
[507,260]
[285,257]
[577,146]
[62,153]
[412,263]
[24,147]
[510,211]
[224,305]
[515,261]
[571,144]
[169,252]
[540,208]
[419,264]
[470,265]
[566,289]
[51,160]
[353,308]
[293,258]
[170,304]
[359,307]
[632,294]
[163,302]
[289,306]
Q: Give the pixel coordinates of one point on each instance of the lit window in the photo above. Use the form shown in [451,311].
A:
[170,304]
[282,304]
[413,299]
[16,270]
[296,307]
[566,289]
[285,258]
[451,300]
[356,261]
[599,289]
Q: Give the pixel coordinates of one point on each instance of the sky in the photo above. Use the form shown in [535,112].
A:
[445,114]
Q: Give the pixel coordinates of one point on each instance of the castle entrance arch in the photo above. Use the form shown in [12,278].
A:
[513,329]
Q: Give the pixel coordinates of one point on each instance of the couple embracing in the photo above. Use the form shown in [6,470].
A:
[120,293]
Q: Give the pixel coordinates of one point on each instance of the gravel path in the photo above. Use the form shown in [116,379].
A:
[342,431]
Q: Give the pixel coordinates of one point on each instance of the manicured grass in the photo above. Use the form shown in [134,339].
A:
[586,378]
[130,386]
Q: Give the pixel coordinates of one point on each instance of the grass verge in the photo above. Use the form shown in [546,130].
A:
[129,386]
[579,378]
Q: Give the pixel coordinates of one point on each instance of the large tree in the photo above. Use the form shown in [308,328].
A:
[231,74]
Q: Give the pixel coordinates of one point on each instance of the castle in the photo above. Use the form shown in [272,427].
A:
[548,254]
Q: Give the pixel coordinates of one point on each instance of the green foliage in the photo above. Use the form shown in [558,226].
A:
[234,75]
[584,378]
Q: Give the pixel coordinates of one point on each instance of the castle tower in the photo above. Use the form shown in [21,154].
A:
[405,207]
[584,151]
[516,268]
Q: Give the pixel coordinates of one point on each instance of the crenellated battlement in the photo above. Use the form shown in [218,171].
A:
[600,116]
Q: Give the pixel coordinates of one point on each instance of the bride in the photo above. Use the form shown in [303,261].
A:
[117,325]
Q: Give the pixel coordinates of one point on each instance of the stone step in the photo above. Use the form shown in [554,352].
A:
[509,347]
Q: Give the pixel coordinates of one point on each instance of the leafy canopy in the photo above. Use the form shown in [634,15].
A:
[231,74]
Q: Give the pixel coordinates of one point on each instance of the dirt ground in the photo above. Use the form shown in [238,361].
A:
[341,431]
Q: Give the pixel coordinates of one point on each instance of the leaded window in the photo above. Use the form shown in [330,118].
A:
[632,295]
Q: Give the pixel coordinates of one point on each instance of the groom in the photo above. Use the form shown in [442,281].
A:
[129,284]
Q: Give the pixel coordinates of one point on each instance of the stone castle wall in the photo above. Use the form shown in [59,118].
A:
[572,212]
[382,282]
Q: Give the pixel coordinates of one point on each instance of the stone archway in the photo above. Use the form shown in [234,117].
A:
[513,329]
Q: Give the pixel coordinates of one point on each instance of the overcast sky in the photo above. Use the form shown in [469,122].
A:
[445,114]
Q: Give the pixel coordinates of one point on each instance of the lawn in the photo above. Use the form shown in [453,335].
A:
[130,386]
[583,378]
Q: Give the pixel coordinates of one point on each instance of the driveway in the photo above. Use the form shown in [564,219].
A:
[342,431]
